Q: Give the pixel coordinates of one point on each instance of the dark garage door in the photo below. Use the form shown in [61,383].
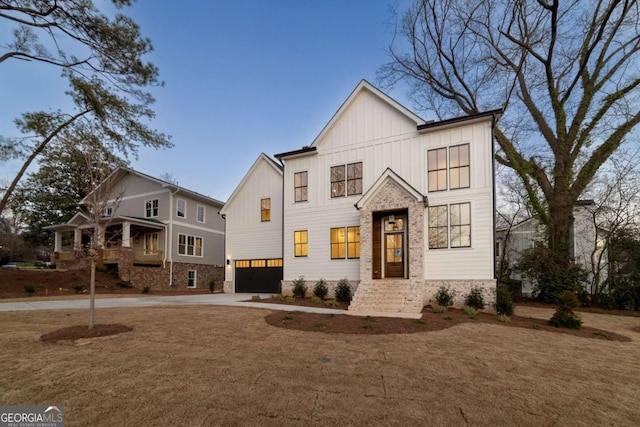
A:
[258,276]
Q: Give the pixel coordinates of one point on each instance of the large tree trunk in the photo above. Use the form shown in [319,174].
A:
[559,236]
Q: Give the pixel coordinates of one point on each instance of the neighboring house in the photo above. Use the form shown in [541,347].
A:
[396,205]
[155,233]
[588,245]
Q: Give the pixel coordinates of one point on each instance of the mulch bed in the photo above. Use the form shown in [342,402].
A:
[597,310]
[305,302]
[346,324]
[73,333]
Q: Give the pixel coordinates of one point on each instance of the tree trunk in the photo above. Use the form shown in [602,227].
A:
[559,228]
[92,297]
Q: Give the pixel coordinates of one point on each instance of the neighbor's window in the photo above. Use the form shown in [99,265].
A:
[151,208]
[189,245]
[437,169]
[349,182]
[438,227]
[265,210]
[201,211]
[181,208]
[107,212]
[460,224]
[459,167]
[191,278]
[300,186]
[300,243]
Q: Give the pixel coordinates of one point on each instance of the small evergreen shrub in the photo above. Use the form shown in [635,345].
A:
[29,289]
[320,290]
[212,285]
[291,300]
[445,296]
[255,298]
[299,287]
[564,317]
[331,303]
[77,288]
[471,312]
[343,291]
[504,302]
[316,300]
[504,318]
[278,297]
[438,308]
[146,289]
[475,299]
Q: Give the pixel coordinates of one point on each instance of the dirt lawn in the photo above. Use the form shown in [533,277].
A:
[214,365]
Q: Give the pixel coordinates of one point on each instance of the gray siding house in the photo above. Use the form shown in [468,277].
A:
[155,233]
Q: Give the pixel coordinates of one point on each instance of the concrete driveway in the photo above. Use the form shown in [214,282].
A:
[236,300]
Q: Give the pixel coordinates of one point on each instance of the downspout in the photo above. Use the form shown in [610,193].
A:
[282,228]
[493,178]
[169,240]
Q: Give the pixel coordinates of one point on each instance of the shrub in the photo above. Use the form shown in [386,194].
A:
[331,303]
[78,287]
[316,300]
[255,298]
[278,297]
[551,273]
[564,317]
[320,290]
[504,318]
[146,289]
[29,289]
[445,296]
[471,312]
[291,300]
[212,285]
[299,287]
[475,299]
[343,291]
[438,308]
[504,303]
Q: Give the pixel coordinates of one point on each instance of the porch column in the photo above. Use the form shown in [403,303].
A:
[126,234]
[77,239]
[57,241]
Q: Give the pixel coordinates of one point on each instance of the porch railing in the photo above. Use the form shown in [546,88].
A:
[143,256]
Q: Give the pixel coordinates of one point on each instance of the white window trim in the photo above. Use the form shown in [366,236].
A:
[145,208]
[204,213]
[195,279]
[107,212]
[178,201]
[186,245]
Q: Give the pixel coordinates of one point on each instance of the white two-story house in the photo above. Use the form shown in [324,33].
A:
[154,233]
[396,205]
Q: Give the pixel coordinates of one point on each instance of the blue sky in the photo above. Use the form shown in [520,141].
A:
[242,77]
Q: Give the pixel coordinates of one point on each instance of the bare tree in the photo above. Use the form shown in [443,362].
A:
[564,71]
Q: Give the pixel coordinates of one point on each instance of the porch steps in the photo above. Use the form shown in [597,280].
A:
[388,296]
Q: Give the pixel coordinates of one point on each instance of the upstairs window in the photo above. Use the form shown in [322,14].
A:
[460,225]
[151,208]
[346,180]
[181,208]
[107,212]
[300,186]
[265,210]
[201,213]
[437,169]
[459,167]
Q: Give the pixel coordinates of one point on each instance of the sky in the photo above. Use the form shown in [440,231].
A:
[241,77]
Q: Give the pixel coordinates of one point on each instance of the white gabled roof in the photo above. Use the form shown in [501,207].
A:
[366,86]
[261,158]
[389,174]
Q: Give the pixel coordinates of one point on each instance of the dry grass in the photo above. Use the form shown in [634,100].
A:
[226,366]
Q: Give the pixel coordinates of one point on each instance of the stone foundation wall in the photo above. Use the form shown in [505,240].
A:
[158,277]
[227,287]
[287,287]
[461,289]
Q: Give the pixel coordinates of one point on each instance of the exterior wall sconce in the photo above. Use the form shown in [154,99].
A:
[228,261]
[392,219]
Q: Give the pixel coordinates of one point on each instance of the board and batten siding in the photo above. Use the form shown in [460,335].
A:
[247,237]
[405,154]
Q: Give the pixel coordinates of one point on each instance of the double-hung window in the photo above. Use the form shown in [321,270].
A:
[448,173]
[189,245]
[181,208]
[151,208]
[300,182]
[450,226]
[200,213]
[265,210]
[345,242]
[300,243]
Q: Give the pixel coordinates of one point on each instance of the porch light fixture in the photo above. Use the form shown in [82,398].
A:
[228,261]
[392,219]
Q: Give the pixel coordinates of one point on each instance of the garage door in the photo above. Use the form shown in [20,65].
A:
[258,275]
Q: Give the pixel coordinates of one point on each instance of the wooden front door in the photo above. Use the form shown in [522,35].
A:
[394,254]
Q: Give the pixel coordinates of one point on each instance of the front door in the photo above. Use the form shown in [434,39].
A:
[394,255]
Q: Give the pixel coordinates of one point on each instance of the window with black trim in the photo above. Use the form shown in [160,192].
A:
[265,210]
[460,225]
[459,166]
[346,180]
[300,243]
[437,169]
[345,242]
[300,182]
[438,227]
